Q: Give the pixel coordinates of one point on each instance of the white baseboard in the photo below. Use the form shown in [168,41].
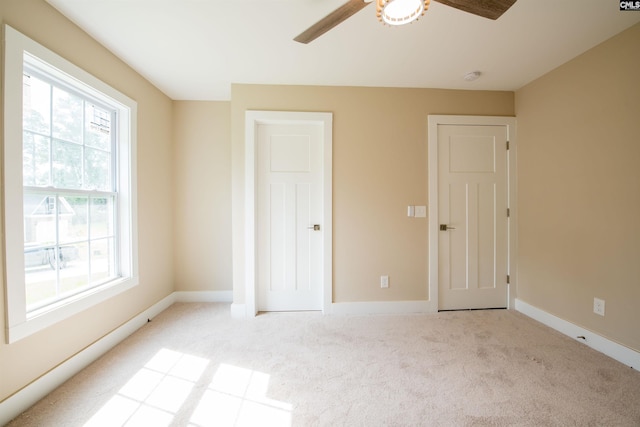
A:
[384,307]
[204,296]
[360,308]
[17,403]
[612,349]
[238,311]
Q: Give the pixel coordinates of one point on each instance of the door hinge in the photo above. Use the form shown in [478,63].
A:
[508,279]
[508,213]
[507,145]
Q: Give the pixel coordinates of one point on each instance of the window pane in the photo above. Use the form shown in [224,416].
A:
[102,215]
[102,260]
[39,212]
[75,274]
[35,159]
[97,127]
[40,277]
[36,103]
[73,219]
[67,116]
[67,165]
[97,169]
[28,159]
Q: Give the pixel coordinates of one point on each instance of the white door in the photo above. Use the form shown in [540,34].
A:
[289,214]
[472,212]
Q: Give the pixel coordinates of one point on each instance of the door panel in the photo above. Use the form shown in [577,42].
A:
[289,201]
[276,256]
[472,200]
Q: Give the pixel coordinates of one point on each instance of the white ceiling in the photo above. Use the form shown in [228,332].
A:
[195,49]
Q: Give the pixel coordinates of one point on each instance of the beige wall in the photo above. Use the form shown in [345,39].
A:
[379,167]
[202,195]
[579,189]
[27,359]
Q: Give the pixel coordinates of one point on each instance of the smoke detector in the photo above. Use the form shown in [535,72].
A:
[473,75]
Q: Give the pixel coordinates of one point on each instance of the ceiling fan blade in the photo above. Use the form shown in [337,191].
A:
[492,9]
[331,20]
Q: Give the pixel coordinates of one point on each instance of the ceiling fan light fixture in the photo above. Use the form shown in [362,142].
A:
[400,12]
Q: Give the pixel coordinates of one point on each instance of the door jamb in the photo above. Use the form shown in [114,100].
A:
[510,123]
[253,118]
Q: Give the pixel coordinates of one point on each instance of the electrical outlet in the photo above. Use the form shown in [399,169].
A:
[598,306]
[384,281]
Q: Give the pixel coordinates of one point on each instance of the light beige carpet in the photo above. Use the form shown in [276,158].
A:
[195,366]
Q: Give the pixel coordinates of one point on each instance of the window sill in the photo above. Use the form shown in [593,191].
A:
[48,316]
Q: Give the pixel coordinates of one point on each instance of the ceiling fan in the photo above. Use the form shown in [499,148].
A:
[491,9]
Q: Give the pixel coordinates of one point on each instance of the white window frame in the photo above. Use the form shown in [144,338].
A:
[20,323]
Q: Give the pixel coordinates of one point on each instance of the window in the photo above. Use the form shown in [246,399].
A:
[69,188]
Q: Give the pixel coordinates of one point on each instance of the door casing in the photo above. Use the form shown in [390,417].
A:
[253,118]
[510,122]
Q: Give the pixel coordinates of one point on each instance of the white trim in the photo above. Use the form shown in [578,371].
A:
[15,404]
[252,120]
[383,307]
[238,311]
[597,342]
[69,307]
[204,296]
[19,323]
[432,148]
[250,302]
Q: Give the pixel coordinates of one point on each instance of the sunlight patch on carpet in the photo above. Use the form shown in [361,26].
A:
[237,397]
[157,392]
